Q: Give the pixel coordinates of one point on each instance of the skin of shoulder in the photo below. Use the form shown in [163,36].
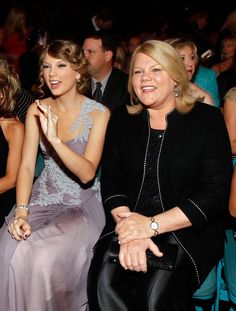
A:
[12,128]
[232,199]
[198,92]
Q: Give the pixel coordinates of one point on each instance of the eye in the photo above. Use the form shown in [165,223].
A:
[62,65]
[136,72]
[156,69]
[45,66]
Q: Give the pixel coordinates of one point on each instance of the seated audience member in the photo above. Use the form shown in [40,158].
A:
[206,79]
[101,22]
[226,80]
[29,61]
[108,84]
[23,98]
[165,182]
[50,233]
[16,33]
[187,50]
[227,41]
[229,113]
[120,60]
[11,140]
[232,199]
[133,41]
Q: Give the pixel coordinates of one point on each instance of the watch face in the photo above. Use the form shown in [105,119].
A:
[154,225]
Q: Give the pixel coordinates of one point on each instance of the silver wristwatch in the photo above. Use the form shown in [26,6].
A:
[154,226]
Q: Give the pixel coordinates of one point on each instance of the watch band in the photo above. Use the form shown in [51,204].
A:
[154,226]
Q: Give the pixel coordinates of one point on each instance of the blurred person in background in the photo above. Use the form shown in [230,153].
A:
[11,139]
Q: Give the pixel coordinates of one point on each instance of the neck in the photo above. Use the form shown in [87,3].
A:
[68,104]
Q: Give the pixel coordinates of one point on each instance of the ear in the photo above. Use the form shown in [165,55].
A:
[108,56]
[77,77]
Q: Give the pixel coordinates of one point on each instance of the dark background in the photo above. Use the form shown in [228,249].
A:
[64,15]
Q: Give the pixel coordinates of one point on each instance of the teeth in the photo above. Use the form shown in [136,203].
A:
[54,82]
[148,88]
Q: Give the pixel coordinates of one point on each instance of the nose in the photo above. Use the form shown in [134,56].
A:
[86,54]
[189,62]
[52,72]
[145,77]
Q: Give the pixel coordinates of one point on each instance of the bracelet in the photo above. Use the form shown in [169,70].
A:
[154,226]
[21,207]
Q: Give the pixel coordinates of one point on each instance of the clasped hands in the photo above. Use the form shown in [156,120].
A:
[19,228]
[134,235]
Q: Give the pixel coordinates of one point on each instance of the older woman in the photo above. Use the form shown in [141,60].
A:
[229,113]
[203,80]
[165,180]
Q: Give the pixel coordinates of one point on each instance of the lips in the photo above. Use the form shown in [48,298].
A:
[54,84]
[148,88]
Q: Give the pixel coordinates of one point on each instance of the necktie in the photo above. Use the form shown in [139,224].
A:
[97,95]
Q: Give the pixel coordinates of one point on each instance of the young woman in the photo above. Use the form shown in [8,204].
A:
[55,224]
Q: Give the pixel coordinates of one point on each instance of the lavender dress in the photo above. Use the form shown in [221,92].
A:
[48,271]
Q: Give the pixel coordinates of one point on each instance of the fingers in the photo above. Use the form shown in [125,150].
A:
[154,248]
[133,258]
[19,229]
[133,262]
[126,236]
[46,111]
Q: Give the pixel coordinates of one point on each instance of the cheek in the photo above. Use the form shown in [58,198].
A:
[135,84]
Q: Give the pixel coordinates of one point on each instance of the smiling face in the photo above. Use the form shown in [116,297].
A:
[152,84]
[58,75]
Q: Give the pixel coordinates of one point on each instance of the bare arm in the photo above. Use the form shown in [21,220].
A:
[14,133]
[117,210]
[134,233]
[229,113]
[29,155]
[135,226]
[84,166]
[232,198]
[203,95]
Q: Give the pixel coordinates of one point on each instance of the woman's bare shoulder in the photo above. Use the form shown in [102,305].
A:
[33,108]
[12,127]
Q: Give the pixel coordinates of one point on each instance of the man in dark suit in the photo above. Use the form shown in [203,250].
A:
[100,50]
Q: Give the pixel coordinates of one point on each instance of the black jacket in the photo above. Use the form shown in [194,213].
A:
[116,90]
[193,172]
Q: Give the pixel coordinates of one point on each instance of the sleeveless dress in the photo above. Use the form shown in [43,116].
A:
[48,271]
[8,198]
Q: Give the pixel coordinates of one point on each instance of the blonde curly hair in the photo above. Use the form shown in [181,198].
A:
[9,89]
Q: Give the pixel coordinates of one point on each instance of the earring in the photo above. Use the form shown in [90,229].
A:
[77,80]
[176,90]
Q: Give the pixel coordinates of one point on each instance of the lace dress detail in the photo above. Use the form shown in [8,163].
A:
[57,185]
[48,271]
